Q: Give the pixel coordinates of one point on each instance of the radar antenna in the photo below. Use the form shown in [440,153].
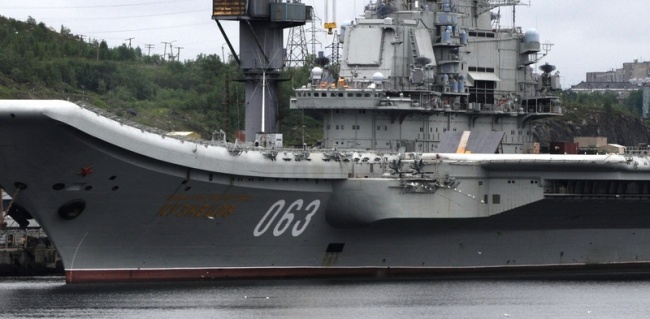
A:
[483,6]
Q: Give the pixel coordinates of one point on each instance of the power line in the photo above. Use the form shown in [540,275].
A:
[149,29]
[99,6]
[125,17]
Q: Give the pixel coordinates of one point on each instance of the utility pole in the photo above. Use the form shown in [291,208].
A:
[223,54]
[97,48]
[178,53]
[129,39]
[170,49]
[165,52]
[149,47]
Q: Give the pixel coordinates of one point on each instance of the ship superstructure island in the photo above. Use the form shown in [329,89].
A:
[427,166]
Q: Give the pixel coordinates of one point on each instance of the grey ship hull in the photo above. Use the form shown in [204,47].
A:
[149,218]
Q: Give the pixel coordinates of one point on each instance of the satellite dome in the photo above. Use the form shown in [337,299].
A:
[531,36]
[378,77]
[316,73]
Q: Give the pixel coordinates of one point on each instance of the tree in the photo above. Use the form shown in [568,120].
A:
[104,52]
[634,102]
[65,31]
[125,53]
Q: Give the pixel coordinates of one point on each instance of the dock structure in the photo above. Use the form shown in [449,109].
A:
[25,251]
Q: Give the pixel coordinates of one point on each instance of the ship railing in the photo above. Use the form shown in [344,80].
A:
[509,29]
[235,148]
[120,119]
[637,150]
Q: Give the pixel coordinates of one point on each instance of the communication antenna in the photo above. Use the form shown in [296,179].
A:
[483,6]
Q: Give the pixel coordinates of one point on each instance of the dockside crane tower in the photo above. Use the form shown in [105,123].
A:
[261,52]
[330,24]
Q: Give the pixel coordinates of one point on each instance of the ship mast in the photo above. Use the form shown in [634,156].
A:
[263,129]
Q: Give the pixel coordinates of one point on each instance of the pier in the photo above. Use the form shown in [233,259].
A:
[25,251]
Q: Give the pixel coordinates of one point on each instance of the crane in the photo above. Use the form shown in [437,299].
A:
[330,24]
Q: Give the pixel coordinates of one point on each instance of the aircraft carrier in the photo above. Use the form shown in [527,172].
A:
[428,165]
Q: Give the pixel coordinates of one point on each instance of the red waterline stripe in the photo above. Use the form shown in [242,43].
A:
[139,275]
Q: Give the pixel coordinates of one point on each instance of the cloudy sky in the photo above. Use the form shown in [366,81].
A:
[587,35]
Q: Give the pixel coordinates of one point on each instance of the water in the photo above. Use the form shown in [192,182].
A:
[426,298]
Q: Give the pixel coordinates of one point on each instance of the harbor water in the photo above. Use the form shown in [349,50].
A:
[50,297]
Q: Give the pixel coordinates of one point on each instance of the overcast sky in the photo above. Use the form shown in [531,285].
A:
[587,35]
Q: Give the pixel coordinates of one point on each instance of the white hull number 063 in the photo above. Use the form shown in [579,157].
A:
[287,219]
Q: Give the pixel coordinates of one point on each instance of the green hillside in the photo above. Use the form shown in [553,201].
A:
[201,94]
